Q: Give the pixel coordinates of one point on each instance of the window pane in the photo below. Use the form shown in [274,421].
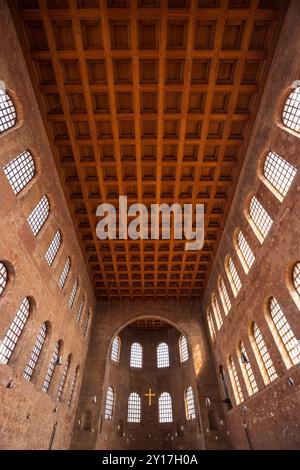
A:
[296,277]
[238,394]
[14,332]
[248,369]
[109,404]
[35,353]
[136,355]
[80,310]
[50,370]
[8,115]
[211,325]
[165,408]
[73,294]
[39,215]
[183,349]
[279,172]
[217,311]
[162,352]
[190,411]
[64,274]
[134,408]
[224,296]
[53,248]
[86,324]
[63,379]
[246,252]
[291,111]
[264,353]
[285,332]
[115,349]
[73,387]
[20,171]
[260,217]
[234,275]
[3,277]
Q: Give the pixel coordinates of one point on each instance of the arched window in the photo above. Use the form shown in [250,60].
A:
[86,324]
[50,371]
[279,173]
[264,359]
[53,248]
[165,408]
[247,370]
[260,219]
[109,404]
[115,349]
[20,171]
[217,311]
[183,349]
[63,378]
[73,386]
[236,386]
[3,277]
[284,331]
[8,115]
[80,310]
[211,324]
[35,353]
[39,215]
[134,408]
[64,274]
[291,110]
[162,355]
[136,355]
[225,299]
[14,332]
[296,277]
[189,402]
[73,294]
[233,277]
[244,252]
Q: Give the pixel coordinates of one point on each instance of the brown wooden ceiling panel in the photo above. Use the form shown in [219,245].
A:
[155,100]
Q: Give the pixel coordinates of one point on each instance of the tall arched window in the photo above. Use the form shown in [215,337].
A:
[264,360]
[115,349]
[247,370]
[279,174]
[244,252]
[211,324]
[260,220]
[109,404]
[3,277]
[20,171]
[136,355]
[217,311]
[80,310]
[236,386]
[189,402]
[14,332]
[225,299]
[35,353]
[284,331]
[73,386]
[63,378]
[86,324]
[39,215]
[233,277]
[165,408]
[50,371]
[64,274]
[134,408]
[183,349]
[291,110]
[73,294]
[162,355]
[53,248]
[8,115]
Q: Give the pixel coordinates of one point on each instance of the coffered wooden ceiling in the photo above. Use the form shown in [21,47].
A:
[154,100]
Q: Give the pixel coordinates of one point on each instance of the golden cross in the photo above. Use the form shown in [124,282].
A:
[150,395]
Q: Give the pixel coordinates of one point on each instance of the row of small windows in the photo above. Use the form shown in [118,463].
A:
[136,353]
[10,342]
[165,411]
[280,174]
[4,280]
[287,345]
[19,173]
